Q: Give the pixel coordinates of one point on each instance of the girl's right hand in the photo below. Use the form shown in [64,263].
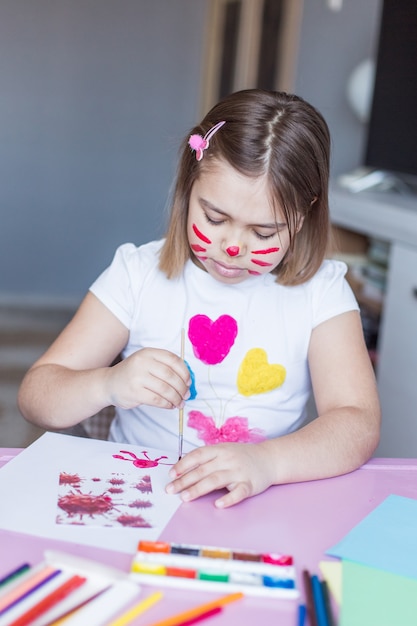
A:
[149,376]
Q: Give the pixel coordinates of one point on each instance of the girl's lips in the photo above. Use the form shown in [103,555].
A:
[227,271]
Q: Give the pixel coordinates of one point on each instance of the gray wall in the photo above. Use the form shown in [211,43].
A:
[95,97]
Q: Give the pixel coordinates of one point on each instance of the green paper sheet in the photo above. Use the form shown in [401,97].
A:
[372,597]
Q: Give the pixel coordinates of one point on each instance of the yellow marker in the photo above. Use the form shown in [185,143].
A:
[139,608]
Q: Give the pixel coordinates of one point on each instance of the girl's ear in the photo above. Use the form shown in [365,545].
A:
[300,222]
[300,218]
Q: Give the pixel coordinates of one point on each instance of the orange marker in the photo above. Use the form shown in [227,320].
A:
[181,618]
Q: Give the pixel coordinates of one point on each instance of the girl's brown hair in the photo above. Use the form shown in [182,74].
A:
[271,134]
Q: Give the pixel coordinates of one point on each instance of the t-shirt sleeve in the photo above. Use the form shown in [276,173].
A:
[114,286]
[332,294]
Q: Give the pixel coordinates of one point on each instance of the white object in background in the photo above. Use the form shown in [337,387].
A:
[335,5]
[99,611]
[359,89]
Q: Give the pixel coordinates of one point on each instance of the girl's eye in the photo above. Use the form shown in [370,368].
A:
[263,237]
[213,222]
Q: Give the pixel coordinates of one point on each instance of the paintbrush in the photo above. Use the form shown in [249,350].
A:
[181,411]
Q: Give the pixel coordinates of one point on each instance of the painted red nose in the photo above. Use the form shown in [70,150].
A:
[232,250]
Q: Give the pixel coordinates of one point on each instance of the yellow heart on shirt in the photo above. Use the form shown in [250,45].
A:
[256,375]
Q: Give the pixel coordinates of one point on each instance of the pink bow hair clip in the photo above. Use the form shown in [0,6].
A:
[199,143]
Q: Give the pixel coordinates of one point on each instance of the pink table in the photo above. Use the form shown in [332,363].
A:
[304,520]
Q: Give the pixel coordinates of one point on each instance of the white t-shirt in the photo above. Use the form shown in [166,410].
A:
[246,346]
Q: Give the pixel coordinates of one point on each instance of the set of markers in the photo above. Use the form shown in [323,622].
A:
[318,606]
[212,568]
[64,587]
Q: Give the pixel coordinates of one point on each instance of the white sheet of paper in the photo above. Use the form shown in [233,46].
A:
[74,489]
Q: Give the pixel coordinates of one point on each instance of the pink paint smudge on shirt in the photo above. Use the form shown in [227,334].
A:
[235,429]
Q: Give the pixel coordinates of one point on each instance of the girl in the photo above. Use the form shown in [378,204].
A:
[241,277]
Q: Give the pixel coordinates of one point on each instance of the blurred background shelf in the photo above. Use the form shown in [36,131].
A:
[386,224]
[25,333]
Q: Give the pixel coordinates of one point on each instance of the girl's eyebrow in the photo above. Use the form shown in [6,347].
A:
[272,225]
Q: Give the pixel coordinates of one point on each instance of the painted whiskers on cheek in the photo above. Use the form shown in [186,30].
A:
[200,235]
[197,248]
[263,263]
[232,251]
[266,251]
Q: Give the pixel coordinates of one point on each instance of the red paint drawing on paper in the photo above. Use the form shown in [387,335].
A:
[146,462]
[144,485]
[106,502]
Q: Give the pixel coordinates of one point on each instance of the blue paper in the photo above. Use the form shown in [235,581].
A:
[385,539]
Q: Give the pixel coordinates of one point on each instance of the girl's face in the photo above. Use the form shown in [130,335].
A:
[232,228]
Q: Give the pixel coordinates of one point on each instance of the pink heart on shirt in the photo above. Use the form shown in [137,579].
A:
[212,341]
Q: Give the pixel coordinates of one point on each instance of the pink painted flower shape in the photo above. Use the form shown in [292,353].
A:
[235,429]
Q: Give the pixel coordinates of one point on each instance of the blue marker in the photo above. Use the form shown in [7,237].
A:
[301,615]
[319,603]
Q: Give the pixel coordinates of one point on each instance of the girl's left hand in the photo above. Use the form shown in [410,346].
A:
[242,469]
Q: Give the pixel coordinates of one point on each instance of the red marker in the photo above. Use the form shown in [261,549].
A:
[49,601]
